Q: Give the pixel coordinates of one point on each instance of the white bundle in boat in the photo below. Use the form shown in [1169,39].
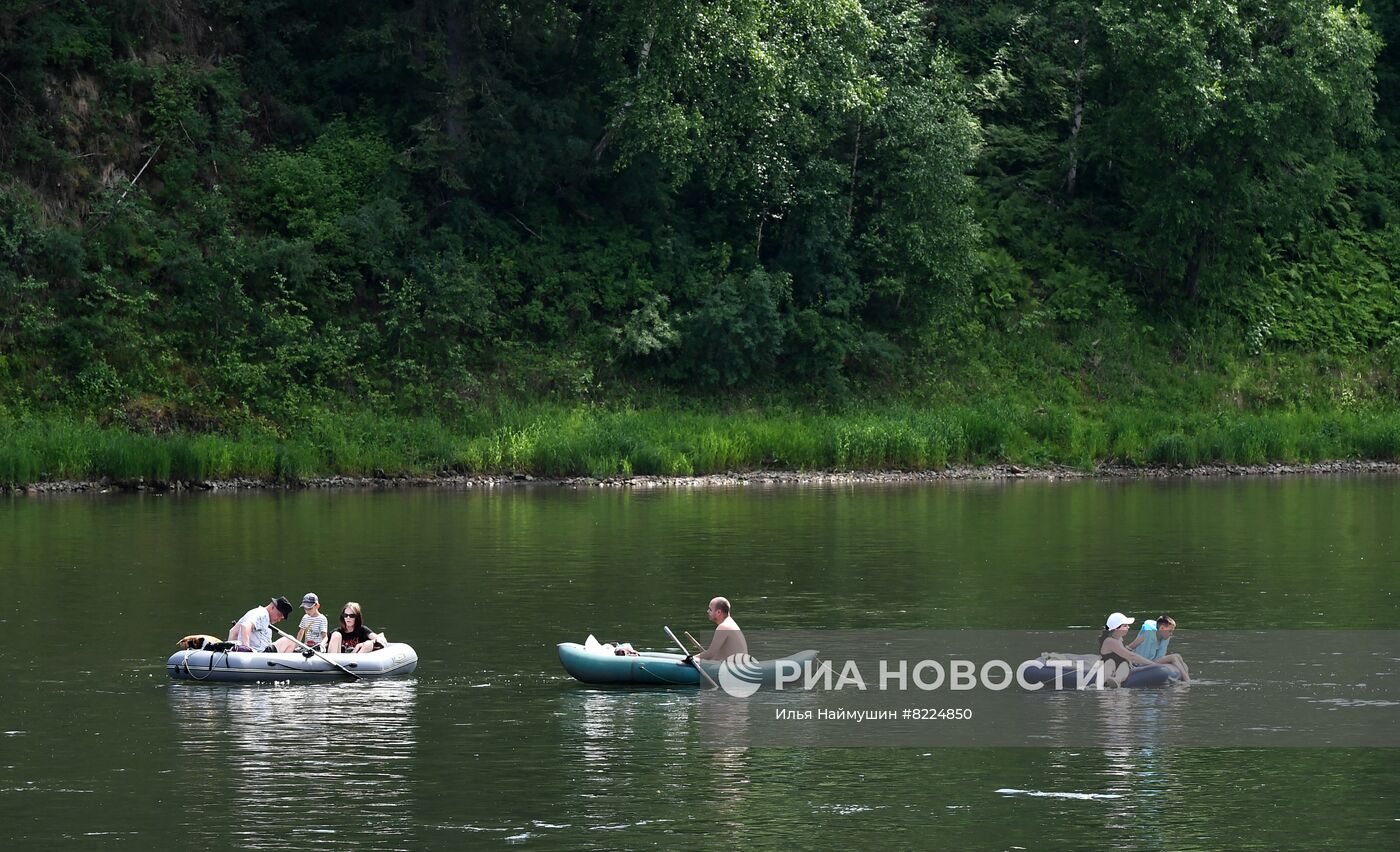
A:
[593,646]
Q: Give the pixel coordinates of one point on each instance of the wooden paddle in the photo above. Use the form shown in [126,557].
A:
[314,651]
[686,634]
[699,668]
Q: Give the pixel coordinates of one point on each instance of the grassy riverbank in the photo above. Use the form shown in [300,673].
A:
[562,441]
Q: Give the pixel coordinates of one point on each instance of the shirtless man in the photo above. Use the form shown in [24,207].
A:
[729,639]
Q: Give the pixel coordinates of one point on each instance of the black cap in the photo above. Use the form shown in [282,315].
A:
[284,606]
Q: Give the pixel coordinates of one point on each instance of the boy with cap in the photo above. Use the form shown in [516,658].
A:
[311,631]
[253,632]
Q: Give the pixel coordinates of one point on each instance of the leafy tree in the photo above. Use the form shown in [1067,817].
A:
[736,332]
[916,232]
[734,91]
[234,208]
[1222,122]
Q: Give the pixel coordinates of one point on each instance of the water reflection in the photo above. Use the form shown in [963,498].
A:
[614,741]
[333,761]
[692,718]
[608,735]
[719,718]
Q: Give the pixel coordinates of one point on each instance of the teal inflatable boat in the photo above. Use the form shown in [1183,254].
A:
[652,668]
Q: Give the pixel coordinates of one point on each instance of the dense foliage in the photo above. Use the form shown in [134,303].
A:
[213,214]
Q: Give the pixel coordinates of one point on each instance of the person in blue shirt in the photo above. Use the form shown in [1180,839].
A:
[1152,641]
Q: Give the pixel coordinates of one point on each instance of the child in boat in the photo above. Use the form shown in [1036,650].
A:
[354,637]
[312,630]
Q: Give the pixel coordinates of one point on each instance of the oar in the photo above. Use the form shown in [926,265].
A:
[316,652]
[687,635]
[699,668]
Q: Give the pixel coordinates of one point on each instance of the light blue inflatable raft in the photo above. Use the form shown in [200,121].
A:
[396,658]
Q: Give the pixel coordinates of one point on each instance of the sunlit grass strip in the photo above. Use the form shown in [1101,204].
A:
[558,441]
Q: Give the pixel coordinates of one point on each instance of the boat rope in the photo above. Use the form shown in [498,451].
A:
[185,661]
[643,667]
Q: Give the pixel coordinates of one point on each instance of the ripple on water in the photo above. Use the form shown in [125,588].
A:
[846,810]
[1353,702]
[1047,794]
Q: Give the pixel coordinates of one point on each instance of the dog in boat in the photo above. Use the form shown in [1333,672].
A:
[198,641]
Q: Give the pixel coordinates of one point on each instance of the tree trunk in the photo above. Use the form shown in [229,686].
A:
[1192,278]
[1076,121]
[455,39]
[855,161]
[645,54]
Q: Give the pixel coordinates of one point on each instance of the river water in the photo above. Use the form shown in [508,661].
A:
[489,744]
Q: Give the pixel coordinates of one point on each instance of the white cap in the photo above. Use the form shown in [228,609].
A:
[1117,620]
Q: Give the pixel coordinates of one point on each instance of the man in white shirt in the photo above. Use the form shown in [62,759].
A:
[729,639]
[254,630]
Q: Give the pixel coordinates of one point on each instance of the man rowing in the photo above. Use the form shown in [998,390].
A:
[253,632]
[729,639]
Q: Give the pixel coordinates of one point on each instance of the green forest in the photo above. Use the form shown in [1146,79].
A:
[286,239]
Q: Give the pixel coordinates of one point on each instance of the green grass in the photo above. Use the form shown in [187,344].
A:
[570,441]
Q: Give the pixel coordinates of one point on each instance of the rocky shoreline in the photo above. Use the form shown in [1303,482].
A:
[732,479]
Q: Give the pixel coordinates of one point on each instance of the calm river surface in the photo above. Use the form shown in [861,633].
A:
[489,744]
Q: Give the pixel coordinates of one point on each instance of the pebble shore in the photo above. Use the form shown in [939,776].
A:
[733,479]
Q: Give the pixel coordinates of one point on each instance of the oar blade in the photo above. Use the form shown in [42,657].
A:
[307,647]
[699,668]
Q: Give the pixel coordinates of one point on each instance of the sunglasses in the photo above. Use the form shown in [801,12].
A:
[348,615]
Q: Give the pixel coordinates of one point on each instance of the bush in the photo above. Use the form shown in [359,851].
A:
[1171,450]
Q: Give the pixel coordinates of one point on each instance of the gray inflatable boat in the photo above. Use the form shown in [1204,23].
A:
[396,658]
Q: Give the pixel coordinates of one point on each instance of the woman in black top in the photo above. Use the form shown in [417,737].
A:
[353,637]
